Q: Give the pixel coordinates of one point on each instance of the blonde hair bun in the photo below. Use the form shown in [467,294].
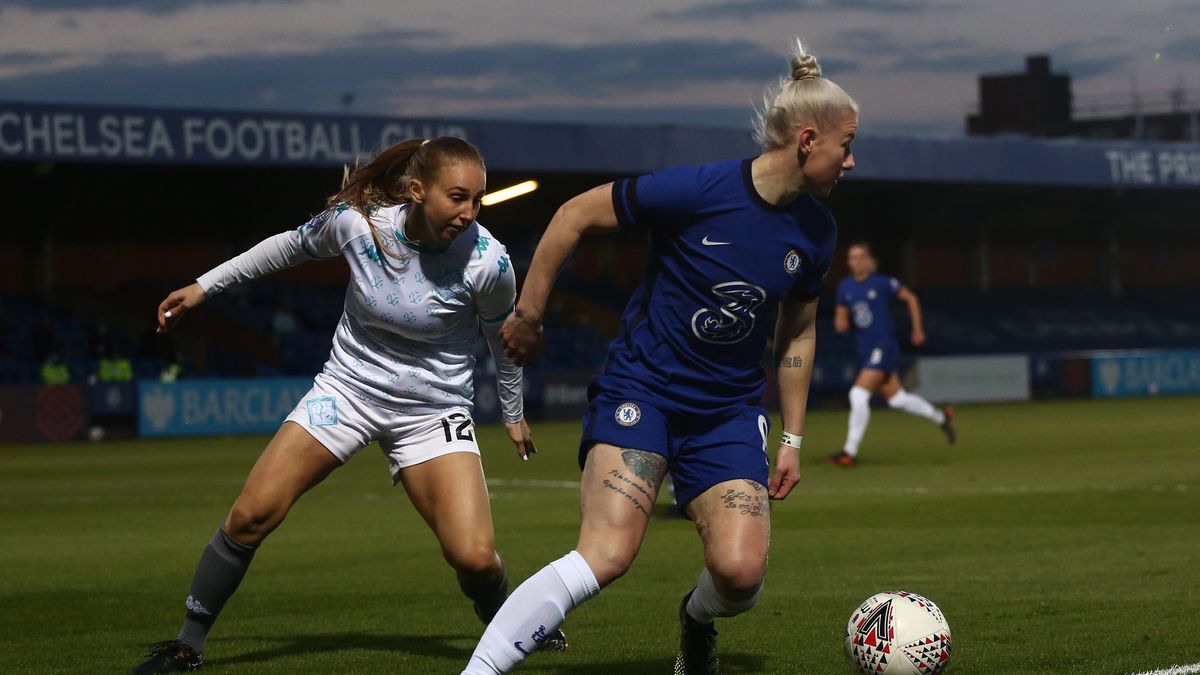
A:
[803,96]
[804,66]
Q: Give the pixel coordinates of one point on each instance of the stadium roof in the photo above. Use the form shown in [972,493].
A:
[74,133]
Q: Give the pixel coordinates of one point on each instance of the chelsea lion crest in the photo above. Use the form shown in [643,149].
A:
[628,414]
[791,262]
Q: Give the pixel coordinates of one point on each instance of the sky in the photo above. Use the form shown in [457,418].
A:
[911,64]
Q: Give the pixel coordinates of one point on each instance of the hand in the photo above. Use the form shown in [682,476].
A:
[522,338]
[522,437]
[918,337]
[787,472]
[177,304]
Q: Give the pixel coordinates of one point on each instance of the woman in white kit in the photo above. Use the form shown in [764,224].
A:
[426,279]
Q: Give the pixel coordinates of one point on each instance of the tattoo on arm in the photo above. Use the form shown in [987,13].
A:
[751,502]
[791,362]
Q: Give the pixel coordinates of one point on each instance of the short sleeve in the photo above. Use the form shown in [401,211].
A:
[326,234]
[893,286]
[495,286]
[811,278]
[662,198]
[843,294]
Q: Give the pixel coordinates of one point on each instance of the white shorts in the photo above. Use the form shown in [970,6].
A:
[345,424]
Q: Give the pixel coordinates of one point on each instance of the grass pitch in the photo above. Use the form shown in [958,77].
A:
[1057,537]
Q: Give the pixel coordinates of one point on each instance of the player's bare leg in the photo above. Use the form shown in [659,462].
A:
[450,494]
[733,519]
[292,463]
[616,497]
[617,494]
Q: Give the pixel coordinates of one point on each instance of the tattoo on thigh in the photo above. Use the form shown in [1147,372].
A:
[629,490]
[641,485]
[648,466]
[752,504]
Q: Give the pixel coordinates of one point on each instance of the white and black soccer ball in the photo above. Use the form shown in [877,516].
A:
[898,633]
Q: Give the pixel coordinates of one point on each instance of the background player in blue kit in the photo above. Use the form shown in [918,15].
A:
[862,305]
[426,280]
[737,249]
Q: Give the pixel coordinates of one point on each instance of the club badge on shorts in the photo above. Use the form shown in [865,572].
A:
[628,414]
[322,411]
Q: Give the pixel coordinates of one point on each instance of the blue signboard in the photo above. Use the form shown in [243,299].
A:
[1142,373]
[113,398]
[213,407]
[77,133]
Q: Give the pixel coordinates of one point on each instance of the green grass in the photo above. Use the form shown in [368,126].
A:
[1057,537]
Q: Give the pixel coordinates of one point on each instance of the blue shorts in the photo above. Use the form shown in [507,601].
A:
[701,451]
[883,356]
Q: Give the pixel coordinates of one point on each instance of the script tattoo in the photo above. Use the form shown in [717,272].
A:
[645,465]
[748,503]
[627,489]
[791,362]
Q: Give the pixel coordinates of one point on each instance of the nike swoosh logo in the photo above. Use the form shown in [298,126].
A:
[706,242]
[518,646]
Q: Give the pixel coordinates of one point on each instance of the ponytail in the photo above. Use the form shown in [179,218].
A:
[383,181]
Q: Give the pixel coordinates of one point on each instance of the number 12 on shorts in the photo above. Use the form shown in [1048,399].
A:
[461,423]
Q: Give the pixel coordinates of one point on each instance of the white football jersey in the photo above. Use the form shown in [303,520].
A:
[406,337]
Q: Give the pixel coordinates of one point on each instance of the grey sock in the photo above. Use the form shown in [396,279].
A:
[221,568]
[488,595]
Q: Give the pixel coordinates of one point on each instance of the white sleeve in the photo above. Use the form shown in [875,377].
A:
[496,287]
[508,375]
[495,295]
[321,237]
[270,255]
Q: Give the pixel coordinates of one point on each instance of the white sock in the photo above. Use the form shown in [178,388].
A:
[707,604]
[915,405]
[537,608]
[860,414]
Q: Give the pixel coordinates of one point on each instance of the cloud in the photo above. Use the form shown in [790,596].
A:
[147,6]
[384,70]
[1084,67]
[27,58]
[950,55]
[1183,49]
[744,9]
[719,116]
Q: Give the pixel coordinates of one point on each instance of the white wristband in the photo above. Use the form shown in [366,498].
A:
[791,439]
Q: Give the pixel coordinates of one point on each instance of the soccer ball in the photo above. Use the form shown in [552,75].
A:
[898,633]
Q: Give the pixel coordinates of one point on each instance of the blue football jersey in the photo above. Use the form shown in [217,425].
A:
[867,302]
[720,260]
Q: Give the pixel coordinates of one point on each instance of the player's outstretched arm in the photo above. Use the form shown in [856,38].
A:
[914,314]
[795,347]
[178,303]
[591,211]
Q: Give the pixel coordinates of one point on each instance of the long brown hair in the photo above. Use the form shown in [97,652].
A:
[383,181]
